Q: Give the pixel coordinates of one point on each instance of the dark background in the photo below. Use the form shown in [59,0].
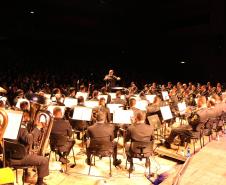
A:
[88,37]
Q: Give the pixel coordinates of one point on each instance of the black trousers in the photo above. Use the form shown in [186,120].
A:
[183,132]
[42,163]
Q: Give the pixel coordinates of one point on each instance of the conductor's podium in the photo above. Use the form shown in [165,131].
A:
[6,176]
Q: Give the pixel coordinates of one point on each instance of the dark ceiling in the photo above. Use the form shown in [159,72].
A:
[116,31]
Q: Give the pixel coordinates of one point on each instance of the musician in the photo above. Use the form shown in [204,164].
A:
[184,131]
[111,79]
[104,92]
[72,92]
[132,88]
[58,95]
[32,159]
[139,132]
[102,107]
[118,99]
[62,127]
[99,130]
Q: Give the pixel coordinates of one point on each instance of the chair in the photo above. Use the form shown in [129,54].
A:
[13,153]
[100,147]
[196,135]
[139,150]
[57,141]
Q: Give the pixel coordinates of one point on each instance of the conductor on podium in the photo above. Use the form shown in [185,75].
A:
[111,79]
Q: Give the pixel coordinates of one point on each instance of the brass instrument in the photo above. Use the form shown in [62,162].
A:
[3,122]
[38,114]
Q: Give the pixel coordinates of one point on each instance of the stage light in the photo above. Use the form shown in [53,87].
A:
[32,12]
[182,62]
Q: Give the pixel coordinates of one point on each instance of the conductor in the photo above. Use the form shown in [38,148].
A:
[111,79]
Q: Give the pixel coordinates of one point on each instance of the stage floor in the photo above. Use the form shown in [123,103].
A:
[100,172]
[207,167]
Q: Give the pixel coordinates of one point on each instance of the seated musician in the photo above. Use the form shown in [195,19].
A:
[102,107]
[58,95]
[184,131]
[118,99]
[104,92]
[32,159]
[99,130]
[139,132]
[95,96]
[62,127]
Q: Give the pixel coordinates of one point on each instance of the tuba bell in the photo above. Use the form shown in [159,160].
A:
[40,114]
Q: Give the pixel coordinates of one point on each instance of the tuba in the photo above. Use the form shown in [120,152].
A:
[39,113]
[3,122]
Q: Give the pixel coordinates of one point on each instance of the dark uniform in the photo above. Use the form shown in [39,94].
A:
[30,159]
[63,127]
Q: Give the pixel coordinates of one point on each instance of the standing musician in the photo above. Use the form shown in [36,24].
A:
[62,127]
[30,158]
[111,79]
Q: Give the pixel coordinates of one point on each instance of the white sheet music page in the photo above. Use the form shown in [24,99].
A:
[166,113]
[14,121]
[82,113]
[83,94]
[182,108]
[150,97]
[91,104]
[123,116]
[114,107]
[103,96]
[165,95]
[70,102]
[51,107]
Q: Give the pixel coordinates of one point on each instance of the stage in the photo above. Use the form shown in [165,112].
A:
[207,166]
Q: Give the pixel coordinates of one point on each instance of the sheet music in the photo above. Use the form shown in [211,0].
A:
[14,121]
[103,96]
[51,107]
[165,95]
[83,94]
[82,113]
[123,116]
[48,96]
[20,100]
[142,105]
[150,97]
[182,108]
[166,113]
[113,96]
[70,102]
[91,104]
[114,107]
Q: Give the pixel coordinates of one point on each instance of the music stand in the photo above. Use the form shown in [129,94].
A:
[12,129]
[165,95]
[113,107]
[82,114]
[182,111]
[155,122]
[70,102]
[52,107]
[122,117]
[91,103]
[166,115]
[83,94]
[150,97]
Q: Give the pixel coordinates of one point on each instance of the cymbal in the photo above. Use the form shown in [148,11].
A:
[2,90]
